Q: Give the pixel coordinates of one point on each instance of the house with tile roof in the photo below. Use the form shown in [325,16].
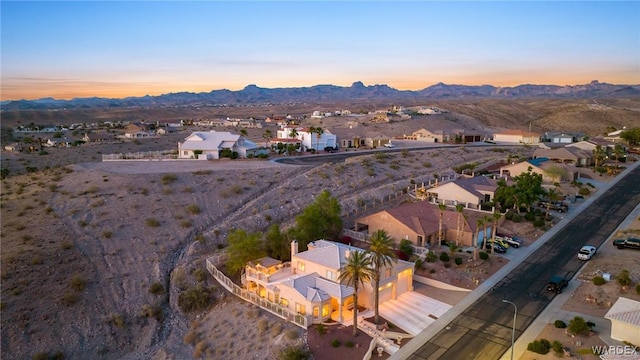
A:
[625,320]
[419,223]
[517,136]
[566,155]
[207,145]
[308,285]
[444,135]
[355,137]
[469,191]
[551,171]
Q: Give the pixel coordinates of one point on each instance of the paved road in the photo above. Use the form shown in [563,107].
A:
[483,330]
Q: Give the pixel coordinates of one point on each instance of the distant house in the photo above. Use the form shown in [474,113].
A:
[625,320]
[138,130]
[469,191]
[306,138]
[567,155]
[591,144]
[167,130]
[615,136]
[551,171]
[359,137]
[517,136]
[419,222]
[309,285]
[17,147]
[208,145]
[443,135]
[97,137]
[562,138]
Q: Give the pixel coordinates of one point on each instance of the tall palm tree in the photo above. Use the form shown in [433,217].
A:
[267,136]
[496,216]
[442,208]
[293,133]
[486,221]
[319,133]
[459,209]
[552,196]
[598,154]
[479,223]
[382,255]
[355,272]
[312,130]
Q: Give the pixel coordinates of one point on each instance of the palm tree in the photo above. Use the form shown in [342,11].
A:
[355,272]
[442,208]
[319,133]
[267,136]
[496,216]
[552,196]
[485,221]
[382,255]
[293,133]
[459,209]
[479,223]
[598,154]
[312,131]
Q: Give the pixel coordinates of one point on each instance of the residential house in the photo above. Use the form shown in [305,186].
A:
[208,145]
[591,144]
[17,147]
[306,138]
[97,137]
[625,320]
[419,222]
[551,171]
[555,137]
[167,130]
[59,142]
[469,191]
[355,137]
[615,136]
[443,135]
[566,155]
[309,284]
[138,130]
[517,136]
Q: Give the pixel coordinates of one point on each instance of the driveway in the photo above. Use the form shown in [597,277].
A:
[412,311]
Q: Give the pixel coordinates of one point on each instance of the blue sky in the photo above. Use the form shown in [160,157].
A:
[116,49]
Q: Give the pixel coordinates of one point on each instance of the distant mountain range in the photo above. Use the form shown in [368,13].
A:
[253,94]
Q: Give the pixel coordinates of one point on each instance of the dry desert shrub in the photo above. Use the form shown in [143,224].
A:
[190,337]
[262,325]
[253,313]
[276,329]
[291,334]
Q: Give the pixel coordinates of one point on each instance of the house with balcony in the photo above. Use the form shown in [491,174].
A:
[209,145]
[308,285]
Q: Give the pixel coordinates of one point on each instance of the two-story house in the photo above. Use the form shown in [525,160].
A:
[309,285]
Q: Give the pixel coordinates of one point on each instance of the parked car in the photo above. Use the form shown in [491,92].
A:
[501,241]
[330,149]
[631,243]
[389,145]
[557,206]
[496,247]
[511,240]
[556,284]
[586,252]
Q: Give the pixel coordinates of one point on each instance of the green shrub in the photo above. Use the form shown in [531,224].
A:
[557,348]
[432,271]
[508,215]
[431,256]
[291,334]
[539,223]
[444,257]
[200,274]
[623,278]
[151,222]
[560,324]
[516,218]
[193,209]
[406,247]
[168,179]
[530,216]
[541,346]
[578,326]
[78,282]
[458,261]
[195,298]
[598,280]
[484,255]
[349,344]
[294,353]
[156,288]
[335,343]
[322,330]
[153,311]
[418,264]
[584,191]
[70,298]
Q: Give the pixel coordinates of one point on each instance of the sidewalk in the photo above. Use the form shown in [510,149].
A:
[531,332]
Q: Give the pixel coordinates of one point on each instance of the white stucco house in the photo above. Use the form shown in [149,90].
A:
[517,136]
[308,285]
[625,320]
[306,138]
[208,145]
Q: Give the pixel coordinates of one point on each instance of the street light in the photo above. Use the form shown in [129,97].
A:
[513,331]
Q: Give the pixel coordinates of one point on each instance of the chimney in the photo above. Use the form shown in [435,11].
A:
[294,251]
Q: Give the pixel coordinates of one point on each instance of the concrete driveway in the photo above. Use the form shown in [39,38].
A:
[412,311]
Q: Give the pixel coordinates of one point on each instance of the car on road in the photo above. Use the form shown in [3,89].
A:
[586,252]
[557,206]
[556,284]
[630,243]
[389,145]
[330,149]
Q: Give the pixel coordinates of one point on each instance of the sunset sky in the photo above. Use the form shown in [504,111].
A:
[118,49]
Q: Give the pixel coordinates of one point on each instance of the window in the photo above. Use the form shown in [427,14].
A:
[301,266]
[185,152]
[316,312]
[330,275]
[387,272]
[325,310]
[284,302]
[300,309]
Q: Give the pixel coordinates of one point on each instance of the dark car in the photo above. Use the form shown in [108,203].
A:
[557,206]
[496,247]
[631,243]
[556,284]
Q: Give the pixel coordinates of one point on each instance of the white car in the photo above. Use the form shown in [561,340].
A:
[389,145]
[586,252]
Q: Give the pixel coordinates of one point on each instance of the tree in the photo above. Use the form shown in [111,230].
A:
[485,222]
[505,195]
[319,133]
[578,326]
[312,131]
[459,210]
[293,133]
[556,173]
[243,248]
[442,208]
[619,152]
[632,136]
[496,217]
[382,255]
[527,189]
[552,196]
[479,223]
[243,132]
[268,135]
[278,245]
[598,156]
[321,219]
[355,272]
